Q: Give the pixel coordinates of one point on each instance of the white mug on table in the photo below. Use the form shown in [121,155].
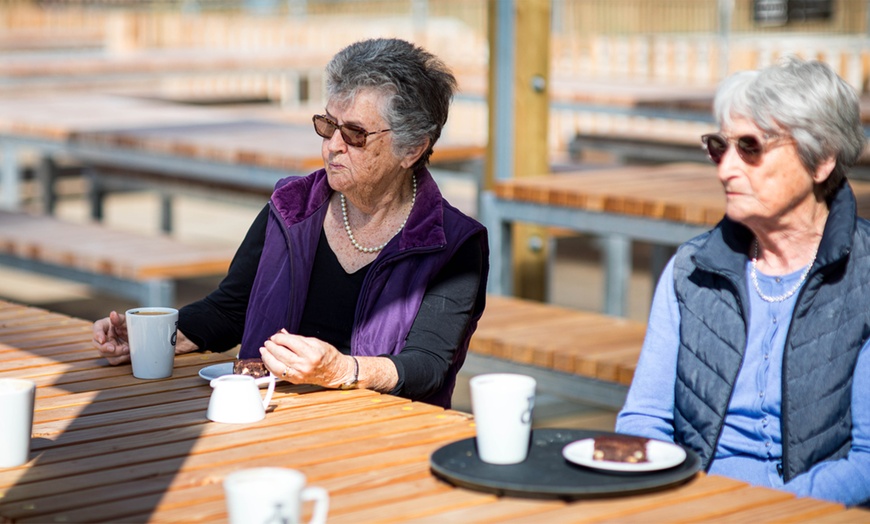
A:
[16,420]
[502,404]
[272,496]
[151,333]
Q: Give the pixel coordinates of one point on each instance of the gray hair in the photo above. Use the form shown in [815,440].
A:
[805,100]
[417,86]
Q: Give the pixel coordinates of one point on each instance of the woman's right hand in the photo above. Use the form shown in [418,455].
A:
[110,338]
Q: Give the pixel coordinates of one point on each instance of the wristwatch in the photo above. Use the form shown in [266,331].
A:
[353,383]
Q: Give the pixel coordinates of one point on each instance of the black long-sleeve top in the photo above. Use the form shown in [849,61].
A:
[216,322]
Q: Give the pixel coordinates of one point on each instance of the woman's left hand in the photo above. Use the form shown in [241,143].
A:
[306,360]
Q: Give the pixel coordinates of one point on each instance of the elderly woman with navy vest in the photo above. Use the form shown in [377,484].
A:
[359,274]
[756,354]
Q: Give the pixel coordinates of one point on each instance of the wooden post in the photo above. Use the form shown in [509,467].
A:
[519,75]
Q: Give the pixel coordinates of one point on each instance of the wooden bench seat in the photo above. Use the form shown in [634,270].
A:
[574,354]
[136,266]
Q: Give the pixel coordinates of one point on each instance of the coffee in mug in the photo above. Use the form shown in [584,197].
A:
[151,333]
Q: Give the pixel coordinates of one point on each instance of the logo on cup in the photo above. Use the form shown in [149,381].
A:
[526,417]
[174,335]
[279,516]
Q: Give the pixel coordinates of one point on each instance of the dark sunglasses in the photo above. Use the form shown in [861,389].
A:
[750,148]
[352,135]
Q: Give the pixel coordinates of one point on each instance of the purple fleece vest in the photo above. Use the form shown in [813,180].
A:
[393,288]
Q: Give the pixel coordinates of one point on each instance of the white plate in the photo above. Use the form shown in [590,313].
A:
[660,455]
[216,370]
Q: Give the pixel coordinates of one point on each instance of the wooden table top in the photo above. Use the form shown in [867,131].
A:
[30,40]
[162,62]
[235,135]
[260,143]
[682,192]
[611,92]
[109,447]
[272,145]
[634,94]
[60,116]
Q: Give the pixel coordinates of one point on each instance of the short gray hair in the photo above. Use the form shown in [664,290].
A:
[804,99]
[417,86]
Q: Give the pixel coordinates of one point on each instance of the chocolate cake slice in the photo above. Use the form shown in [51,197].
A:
[250,366]
[620,448]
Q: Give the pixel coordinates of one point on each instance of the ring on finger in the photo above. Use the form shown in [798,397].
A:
[284,373]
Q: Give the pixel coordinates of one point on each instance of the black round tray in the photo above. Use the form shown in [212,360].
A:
[546,473]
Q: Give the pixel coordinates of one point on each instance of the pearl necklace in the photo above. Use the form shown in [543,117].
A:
[784,296]
[382,246]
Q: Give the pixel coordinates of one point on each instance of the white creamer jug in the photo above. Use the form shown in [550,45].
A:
[235,399]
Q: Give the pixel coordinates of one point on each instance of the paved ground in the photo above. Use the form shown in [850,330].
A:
[576,281]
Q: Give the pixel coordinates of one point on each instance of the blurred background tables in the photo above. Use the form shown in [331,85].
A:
[125,143]
[665,205]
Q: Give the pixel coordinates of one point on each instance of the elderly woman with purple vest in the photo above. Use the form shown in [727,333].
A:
[359,274]
[756,356]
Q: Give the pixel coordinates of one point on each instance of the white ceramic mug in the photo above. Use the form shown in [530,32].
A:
[272,496]
[16,420]
[235,399]
[151,333]
[502,404]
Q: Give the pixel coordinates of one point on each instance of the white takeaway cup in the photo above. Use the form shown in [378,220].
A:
[271,495]
[502,404]
[16,420]
[151,333]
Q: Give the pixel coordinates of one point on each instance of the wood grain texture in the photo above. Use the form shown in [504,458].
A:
[680,192]
[580,342]
[97,249]
[108,448]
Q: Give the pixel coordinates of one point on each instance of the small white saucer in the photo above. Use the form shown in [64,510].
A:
[216,370]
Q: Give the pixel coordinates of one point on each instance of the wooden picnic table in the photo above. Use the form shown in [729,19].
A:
[136,142]
[48,123]
[664,205]
[108,447]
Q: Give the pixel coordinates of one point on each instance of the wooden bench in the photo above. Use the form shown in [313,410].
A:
[140,267]
[573,354]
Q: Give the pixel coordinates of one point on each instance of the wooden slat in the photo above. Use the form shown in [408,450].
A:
[594,510]
[742,499]
[798,510]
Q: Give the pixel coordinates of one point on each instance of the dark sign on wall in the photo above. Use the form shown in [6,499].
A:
[803,10]
[781,12]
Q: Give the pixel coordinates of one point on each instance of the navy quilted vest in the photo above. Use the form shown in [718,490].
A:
[830,324]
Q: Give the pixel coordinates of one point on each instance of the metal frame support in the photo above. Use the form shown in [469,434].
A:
[150,292]
[505,66]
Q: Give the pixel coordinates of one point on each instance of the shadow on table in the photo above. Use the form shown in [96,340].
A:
[106,446]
